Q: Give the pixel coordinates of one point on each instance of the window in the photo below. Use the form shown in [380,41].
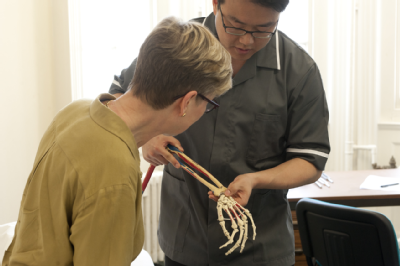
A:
[110,33]
[294,22]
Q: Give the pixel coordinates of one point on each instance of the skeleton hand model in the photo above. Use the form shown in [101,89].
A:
[227,204]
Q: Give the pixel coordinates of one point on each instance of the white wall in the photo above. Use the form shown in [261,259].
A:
[32,77]
[389,116]
[355,43]
[36,80]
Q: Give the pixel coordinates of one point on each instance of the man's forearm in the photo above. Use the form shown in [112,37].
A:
[291,174]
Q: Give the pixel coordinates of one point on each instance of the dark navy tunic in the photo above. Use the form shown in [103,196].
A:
[276,111]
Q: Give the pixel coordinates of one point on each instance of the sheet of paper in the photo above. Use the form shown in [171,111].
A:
[375,182]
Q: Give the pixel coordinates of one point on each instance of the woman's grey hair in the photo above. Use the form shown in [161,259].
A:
[178,57]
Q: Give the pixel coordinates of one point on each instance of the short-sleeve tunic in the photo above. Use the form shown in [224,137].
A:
[276,111]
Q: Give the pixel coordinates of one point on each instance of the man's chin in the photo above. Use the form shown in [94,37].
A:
[242,57]
[239,54]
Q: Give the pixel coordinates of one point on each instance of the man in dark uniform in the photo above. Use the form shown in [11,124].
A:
[269,135]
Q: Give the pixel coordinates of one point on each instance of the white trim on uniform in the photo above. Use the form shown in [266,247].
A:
[322,154]
[116,83]
[278,62]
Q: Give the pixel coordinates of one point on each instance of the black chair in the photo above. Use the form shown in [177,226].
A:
[337,235]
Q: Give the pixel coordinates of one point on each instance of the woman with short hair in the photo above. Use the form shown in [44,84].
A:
[82,202]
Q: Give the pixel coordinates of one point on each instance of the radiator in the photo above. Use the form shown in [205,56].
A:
[151,213]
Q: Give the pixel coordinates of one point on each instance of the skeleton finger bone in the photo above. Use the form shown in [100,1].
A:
[234,227]
[232,207]
[246,211]
[241,228]
[244,218]
[221,220]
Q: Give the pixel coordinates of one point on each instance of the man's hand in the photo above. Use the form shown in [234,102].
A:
[155,153]
[240,189]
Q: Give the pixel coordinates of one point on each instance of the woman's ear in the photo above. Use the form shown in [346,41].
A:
[190,97]
[215,6]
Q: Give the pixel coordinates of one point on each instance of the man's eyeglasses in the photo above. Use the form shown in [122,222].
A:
[241,32]
[211,105]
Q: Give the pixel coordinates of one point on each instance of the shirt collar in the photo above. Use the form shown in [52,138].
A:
[209,22]
[267,57]
[111,122]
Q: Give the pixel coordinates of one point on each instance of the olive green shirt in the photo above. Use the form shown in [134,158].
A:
[82,201]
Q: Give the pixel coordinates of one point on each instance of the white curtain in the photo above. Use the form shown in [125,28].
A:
[106,35]
[354,43]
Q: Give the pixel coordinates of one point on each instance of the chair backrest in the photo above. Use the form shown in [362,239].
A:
[337,235]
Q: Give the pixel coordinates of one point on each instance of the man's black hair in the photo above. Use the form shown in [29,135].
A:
[277,5]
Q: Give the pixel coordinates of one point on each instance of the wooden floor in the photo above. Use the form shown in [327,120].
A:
[300,258]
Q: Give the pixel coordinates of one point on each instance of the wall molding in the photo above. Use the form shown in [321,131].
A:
[397,56]
[75,45]
[389,126]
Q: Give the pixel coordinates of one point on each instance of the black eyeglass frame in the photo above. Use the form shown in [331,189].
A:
[214,104]
[246,31]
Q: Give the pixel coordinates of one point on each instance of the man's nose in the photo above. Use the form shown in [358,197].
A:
[247,39]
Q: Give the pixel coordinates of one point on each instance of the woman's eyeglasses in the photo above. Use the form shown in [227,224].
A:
[211,105]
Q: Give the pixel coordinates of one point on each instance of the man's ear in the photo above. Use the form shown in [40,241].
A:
[215,6]
[190,97]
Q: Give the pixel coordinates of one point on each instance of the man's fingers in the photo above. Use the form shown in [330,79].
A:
[232,189]
[241,199]
[212,196]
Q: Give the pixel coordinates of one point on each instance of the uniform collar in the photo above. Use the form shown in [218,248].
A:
[209,22]
[111,122]
[267,57]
